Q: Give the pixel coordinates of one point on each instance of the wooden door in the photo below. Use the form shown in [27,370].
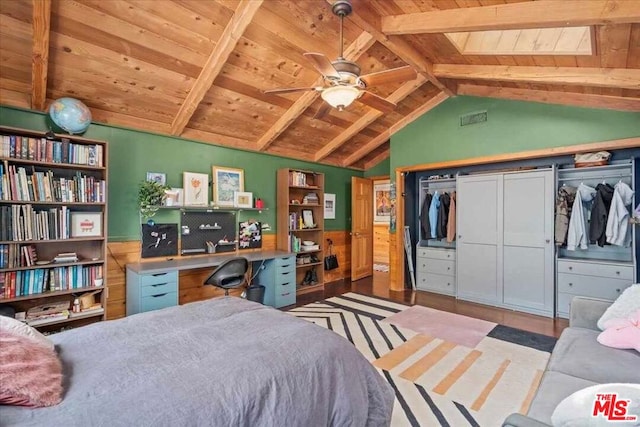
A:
[361,228]
[528,241]
[479,218]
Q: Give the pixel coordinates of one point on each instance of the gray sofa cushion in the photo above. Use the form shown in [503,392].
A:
[578,354]
[554,387]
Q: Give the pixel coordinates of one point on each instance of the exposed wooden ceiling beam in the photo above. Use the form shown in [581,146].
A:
[599,77]
[371,116]
[377,159]
[233,31]
[562,98]
[383,137]
[352,53]
[538,14]
[369,21]
[40,52]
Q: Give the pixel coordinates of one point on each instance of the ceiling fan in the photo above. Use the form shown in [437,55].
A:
[343,83]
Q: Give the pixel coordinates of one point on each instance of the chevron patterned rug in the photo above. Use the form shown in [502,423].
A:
[437,381]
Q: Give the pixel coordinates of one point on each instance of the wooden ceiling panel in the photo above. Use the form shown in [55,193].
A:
[135,64]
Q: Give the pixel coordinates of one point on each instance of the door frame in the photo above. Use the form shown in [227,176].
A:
[374,179]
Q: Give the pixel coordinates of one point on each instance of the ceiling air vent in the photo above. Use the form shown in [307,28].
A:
[473,118]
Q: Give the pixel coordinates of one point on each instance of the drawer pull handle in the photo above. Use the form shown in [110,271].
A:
[618,290]
[285,284]
[618,273]
[285,272]
[448,284]
[160,295]
[448,268]
[284,295]
[570,284]
[570,268]
[159,284]
[159,274]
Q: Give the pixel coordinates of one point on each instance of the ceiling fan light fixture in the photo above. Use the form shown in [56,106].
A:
[340,97]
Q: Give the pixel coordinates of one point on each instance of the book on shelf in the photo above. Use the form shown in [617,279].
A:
[51,151]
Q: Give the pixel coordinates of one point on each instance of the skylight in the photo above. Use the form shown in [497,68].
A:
[537,41]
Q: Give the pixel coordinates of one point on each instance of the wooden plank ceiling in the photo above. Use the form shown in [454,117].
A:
[199,68]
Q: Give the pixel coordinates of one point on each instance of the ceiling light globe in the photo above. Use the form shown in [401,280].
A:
[340,97]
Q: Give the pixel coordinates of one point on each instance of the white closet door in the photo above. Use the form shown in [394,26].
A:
[479,215]
[528,241]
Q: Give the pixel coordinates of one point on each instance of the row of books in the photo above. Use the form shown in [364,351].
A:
[14,255]
[18,185]
[45,150]
[298,179]
[23,223]
[295,243]
[41,280]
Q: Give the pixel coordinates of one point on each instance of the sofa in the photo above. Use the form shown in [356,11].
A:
[578,361]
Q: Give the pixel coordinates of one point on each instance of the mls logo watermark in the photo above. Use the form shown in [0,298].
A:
[612,407]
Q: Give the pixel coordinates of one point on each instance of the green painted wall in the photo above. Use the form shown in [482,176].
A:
[381,168]
[133,153]
[512,126]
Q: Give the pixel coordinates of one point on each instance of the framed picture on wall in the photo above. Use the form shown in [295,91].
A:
[196,189]
[381,201]
[226,181]
[159,177]
[329,206]
[242,199]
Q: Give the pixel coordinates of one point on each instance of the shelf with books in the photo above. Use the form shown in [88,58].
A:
[302,223]
[53,201]
[71,317]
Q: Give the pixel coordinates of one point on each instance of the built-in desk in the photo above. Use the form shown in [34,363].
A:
[154,285]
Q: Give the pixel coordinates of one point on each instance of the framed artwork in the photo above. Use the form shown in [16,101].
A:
[86,224]
[226,181]
[382,201]
[329,206]
[160,178]
[307,218]
[242,199]
[196,189]
[175,197]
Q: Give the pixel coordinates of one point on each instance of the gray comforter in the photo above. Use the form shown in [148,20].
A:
[221,362]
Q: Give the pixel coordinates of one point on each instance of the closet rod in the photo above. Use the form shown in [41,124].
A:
[594,178]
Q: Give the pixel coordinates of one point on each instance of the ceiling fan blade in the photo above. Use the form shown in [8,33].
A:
[376,102]
[291,89]
[322,111]
[400,74]
[322,64]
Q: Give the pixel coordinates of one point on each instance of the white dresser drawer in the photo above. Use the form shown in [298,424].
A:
[616,271]
[437,266]
[591,286]
[447,254]
[436,283]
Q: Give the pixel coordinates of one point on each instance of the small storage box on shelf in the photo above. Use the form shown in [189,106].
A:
[301,225]
[53,199]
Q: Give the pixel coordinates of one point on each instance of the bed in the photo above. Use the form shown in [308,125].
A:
[225,361]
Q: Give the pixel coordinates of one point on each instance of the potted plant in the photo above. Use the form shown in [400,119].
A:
[151,195]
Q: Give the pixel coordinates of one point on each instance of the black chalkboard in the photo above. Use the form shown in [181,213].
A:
[159,240]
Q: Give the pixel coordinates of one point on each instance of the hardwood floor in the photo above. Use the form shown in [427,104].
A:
[378,285]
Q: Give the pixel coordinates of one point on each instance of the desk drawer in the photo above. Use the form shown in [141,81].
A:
[437,266]
[613,271]
[447,254]
[159,278]
[286,261]
[157,302]
[591,286]
[160,288]
[285,278]
[285,295]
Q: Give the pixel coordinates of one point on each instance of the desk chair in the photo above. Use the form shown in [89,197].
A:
[230,274]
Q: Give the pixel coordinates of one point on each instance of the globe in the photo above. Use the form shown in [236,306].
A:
[70,114]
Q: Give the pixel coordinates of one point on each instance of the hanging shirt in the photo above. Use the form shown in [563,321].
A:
[433,213]
[618,220]
[600,214]
[451,223]
[443,216]
[564,203]
[577,234]
[424,217]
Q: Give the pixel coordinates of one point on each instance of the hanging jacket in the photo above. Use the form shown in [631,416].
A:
[600,213]
[451,223]
[443,216]
[577,235]
[617,231]
[433,213]
[564,203]
[424,217]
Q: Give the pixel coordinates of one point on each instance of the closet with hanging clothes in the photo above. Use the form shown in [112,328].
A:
[596,254]
[435,252]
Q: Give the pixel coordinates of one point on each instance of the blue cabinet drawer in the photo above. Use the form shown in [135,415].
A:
[160,288]
[155,279]
[285,295]
[285,276]
[156,302]
[286,261]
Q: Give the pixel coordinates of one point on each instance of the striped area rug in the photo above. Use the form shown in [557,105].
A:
[438,382]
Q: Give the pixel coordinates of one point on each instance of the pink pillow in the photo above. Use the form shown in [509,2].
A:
[30,373]
[622,333]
